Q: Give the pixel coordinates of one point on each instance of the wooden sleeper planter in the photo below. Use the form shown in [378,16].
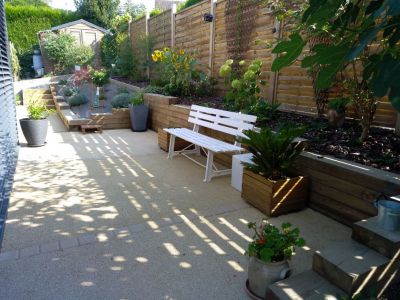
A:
[275,198]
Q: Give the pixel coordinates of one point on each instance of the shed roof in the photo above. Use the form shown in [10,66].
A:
[81,21]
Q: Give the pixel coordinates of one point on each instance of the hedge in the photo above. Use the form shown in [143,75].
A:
[24,23]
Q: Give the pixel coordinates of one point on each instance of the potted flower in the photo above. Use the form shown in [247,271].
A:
[139,113]
[269,182]
[269,253]
[337,111]
[99,78]
[35,126]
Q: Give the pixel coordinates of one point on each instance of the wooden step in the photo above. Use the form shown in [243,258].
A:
[369,233]
[351,266]
[59,98]
[37,91]
[62,105]
[307,285]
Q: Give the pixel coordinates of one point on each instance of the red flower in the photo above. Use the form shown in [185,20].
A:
[261,241]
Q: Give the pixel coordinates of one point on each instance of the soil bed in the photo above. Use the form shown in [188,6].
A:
[141,84]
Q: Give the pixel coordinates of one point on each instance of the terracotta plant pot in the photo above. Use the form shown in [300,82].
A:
[275,198]
[261,275]
[336,119]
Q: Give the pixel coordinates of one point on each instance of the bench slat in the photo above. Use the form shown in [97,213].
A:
[202,140]
[225,113]
[223,121]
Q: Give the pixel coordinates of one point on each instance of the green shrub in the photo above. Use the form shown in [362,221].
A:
[187,3]
[151,89]
[37,110]
[109,50]
[58,48]
[339,104]
[121,100]
[77,99]
[79,55]
[16,68]
[99,77]
[24,23]
[273,152]
[68,92]
[156,11]
[263,110]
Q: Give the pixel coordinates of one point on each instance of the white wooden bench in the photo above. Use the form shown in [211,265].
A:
[219,120]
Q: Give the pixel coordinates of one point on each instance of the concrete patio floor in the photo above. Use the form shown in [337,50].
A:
[107,216]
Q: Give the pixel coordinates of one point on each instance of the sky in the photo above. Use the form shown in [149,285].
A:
[69,4]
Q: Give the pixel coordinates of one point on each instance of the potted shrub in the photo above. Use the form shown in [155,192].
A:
[337,111]
[35,126]
[269,183]
[269,253]
[139,113]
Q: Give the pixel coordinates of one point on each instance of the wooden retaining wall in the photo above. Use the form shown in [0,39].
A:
[291,87]
[118,119]
[340,189]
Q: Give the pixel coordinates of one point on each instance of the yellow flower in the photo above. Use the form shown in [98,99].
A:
[154,57]
[182,52]
[166,49]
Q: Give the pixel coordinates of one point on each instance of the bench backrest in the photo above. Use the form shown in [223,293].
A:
[232,123]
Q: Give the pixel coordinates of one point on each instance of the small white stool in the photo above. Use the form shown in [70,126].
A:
[237,169]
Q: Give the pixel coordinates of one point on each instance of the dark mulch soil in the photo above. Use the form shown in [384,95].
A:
[380,150]
[211,101]
[141,84]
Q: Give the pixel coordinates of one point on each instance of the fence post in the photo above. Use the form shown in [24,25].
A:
[273,88]
[147,36]
[173,12]
[213,4]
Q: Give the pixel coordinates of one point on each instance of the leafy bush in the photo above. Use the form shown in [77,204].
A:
[16,68]
[187,3]
[79,55]
[58,48]
[137,99]
[152,89]
[126,64]
[156,11]
[108,50]
[24,23]
[121,100]
[339,104]
[68,92]
[270,244]
[263,110]
[244,84]
[99,77]
[77,99]
[273,152]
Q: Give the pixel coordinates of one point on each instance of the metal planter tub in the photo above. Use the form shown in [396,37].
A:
[389,213]
[35,131]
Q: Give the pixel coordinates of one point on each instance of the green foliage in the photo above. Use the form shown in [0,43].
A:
[108,50]
[263,110]
[352,27]
[68,92]
[137,99]
[59,47]
[62,82]
[339,104]
[16,68]
[99,77]
[77,99]
[24,23]
[271,244]
[79,55]
[156,11]
[152,89]
[180,68]
[134,9]
[38,3]
[187,3]
[126,65]
[273,152]
[121,100]
[100,12]
[245,91]
[37,110]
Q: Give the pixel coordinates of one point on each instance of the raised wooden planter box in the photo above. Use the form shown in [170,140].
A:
[163,141]
[275,198]
[118,119]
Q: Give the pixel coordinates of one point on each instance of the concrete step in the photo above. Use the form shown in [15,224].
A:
[62,105]
[351,266]
[307,285]
[369,233]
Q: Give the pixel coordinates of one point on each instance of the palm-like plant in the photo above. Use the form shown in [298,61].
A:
[273,152]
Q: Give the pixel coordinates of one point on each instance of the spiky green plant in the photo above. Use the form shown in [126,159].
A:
[273,152]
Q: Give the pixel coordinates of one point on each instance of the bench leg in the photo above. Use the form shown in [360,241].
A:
[171,149]
[209,166]
[197,150]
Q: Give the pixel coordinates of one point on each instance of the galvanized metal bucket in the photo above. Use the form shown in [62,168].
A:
[388,213]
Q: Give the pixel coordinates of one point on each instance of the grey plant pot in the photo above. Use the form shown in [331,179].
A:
[35,131]
[139,115]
